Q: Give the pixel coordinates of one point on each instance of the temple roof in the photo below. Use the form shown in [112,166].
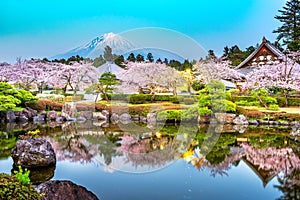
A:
[265,46]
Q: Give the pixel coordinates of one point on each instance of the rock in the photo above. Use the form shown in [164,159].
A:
[296,130]
[52,115]
[71,119]
[22,118]
[88,115]
[102,123]
[69,110]
[283,123]
[57,190]
[60,119]
[226,118]
[10,117]
[240,120]
[240,128]
[143,119]
[114,118]
[151,117]
[263,122]
[204,119]
[80,119]
[33,153]
[293,123]
[125,118]
[105,113]
[135,118]
[253,122]
[29,113]
[99,116]
[39,118]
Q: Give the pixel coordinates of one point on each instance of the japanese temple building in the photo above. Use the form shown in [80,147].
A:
[265,54]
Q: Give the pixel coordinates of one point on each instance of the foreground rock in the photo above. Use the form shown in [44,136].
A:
[240,120]
[57,190]
[296,130]
[32,153]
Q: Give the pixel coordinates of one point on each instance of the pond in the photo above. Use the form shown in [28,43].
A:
[167,161]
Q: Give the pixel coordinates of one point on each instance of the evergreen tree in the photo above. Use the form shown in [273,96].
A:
[166,61]
[289,32]
[140,58]
[120,61]
[150,57]
[131,57]
[108,56]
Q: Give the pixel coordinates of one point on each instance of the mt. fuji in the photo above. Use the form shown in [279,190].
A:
[96,47]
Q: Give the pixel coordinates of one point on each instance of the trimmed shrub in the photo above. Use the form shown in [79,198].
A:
[137,98]
[294,101]
[274,107]
[45,104]
[243,98]
[169,115]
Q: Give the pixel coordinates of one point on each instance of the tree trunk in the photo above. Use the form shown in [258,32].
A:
[174,91]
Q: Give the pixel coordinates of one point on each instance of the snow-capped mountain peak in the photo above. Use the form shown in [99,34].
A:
[96,47]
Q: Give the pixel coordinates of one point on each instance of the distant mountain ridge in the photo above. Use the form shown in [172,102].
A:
[119,45]
[96,47]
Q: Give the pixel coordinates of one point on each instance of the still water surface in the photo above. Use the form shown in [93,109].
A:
[170,161]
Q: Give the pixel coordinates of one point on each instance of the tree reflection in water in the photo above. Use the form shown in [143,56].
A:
[268,155]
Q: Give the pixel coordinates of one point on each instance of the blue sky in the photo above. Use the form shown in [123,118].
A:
[35,28]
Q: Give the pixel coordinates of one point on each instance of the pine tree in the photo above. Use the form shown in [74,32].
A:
[289,32]
[150,57]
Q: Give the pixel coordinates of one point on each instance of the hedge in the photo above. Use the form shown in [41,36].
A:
[280,100]
[143,98]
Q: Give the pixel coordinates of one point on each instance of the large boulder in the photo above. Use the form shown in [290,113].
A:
[99,116]
[32,153]
[29,113]
[125,118]
[114,118]
[296,130]
[10,117]
[226,118]
[52,115]
[57,190]
[69,110]
[240,120]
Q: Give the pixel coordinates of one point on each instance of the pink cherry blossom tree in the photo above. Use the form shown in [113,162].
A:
[149,75]
[285,75]
[28,72]
[215,70]
[76,75]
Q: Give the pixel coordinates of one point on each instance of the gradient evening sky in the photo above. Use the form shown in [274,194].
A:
[43,28]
